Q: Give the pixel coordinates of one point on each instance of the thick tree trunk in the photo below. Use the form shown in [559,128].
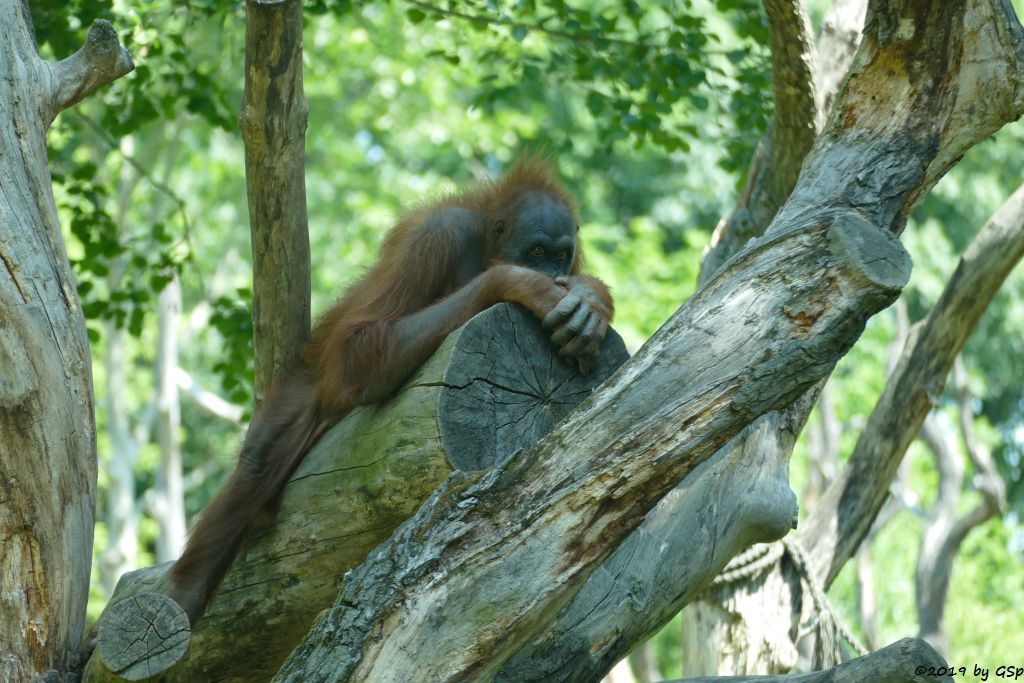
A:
[496,386]
[273,121]
[47,428]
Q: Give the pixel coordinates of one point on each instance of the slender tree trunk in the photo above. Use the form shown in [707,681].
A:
[273,121]
[169,486]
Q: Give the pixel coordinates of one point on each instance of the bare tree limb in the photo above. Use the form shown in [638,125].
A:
[101,60]
[986,480]
[207,400]
[945,532]
[776,163]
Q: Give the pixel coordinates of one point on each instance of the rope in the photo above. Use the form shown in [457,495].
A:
[759,558]
[830,625]
[752,562]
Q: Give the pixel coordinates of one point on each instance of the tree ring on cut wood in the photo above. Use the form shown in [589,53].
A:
[143,635]
[499,397]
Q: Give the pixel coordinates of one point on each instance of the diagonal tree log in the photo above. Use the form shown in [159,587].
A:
[621,609]
[681,545]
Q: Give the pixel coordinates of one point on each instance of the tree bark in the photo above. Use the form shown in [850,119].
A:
[851,505]
[47,428]
[273,122]
[495,387]
[776,163]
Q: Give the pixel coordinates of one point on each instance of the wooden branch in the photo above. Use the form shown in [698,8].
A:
[273,122]
[910,660]
[776,163]
[471,578]
[207,400]
[987,479]
[838,524]
[101,60]
[945,531]
[495,386]
[682,545]
[924,87]
[837,43]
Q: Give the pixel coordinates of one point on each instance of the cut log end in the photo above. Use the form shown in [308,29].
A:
[143,636]
[506,386]
[876,253]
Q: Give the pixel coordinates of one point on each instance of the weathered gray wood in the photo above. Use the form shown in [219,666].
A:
[499,373]
[895,104]
[500,399]
[910,660]
[273,122]
[682,545]
[143,635]
[491,559]
[47,427]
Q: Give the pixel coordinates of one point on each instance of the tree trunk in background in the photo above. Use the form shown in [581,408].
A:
[273,121]
[122,514]
[946,529]
[169,488]
[47,427]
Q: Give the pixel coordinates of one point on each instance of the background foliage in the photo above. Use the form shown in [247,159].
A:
[652,111]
